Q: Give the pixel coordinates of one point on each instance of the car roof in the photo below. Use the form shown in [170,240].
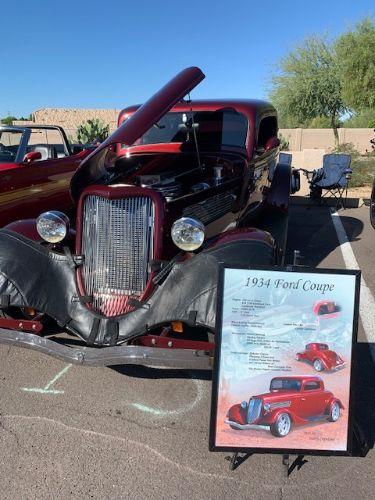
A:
[307,378]
[252,108]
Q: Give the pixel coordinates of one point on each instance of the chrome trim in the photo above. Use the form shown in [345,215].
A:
[108,356]
[254,410]
[117,242]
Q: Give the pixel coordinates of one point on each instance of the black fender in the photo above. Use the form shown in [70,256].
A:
[36,277]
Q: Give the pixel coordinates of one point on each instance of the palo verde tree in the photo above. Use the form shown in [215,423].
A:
[307,85]
[356,60]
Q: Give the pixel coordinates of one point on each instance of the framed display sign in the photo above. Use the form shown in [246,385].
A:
[283,361]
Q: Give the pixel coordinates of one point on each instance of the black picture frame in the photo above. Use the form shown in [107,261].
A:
[216,367]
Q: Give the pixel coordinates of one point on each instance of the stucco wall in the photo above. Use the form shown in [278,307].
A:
[322,138]
[70,119]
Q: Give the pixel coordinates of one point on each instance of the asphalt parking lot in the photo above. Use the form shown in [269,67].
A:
[143,433]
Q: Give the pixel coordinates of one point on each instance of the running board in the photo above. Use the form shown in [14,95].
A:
[109,356]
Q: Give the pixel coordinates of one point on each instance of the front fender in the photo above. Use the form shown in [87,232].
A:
[27,228]
[335,400]
[244,233]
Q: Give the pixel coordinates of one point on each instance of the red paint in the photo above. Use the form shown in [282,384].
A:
[27,228]
[326,309]
[245,233]
[174,343]
[28,189]
[315,350]
[302,405]
[23,325]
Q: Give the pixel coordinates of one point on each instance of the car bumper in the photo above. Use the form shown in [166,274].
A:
[335,368]
[243,427]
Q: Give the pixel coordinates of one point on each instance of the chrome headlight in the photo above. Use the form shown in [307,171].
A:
[187,233]
[266,406]
[244,404]
[52,226]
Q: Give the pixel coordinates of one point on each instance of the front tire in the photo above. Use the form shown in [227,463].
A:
[334,412]
[318,365]
[282,425]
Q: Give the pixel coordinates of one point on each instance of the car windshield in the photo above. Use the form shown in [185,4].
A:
[212,128]
[9,144]
[285,384]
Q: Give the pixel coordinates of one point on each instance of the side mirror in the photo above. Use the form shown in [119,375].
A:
[32,156]
[272,143]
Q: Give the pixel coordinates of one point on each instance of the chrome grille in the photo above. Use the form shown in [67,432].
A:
[117,244]
[211,209]
[255,407]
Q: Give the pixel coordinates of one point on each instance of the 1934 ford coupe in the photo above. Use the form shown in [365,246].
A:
[290,401]
[178,188]
[321,357]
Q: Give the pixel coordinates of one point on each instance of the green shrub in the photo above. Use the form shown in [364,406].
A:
[92,131]
[284,143]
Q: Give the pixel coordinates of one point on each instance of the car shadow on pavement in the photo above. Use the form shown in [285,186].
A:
[364,396]
[312,233]
[139,371]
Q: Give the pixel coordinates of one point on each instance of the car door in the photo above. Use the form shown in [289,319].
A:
[264,161]
[33,188]
[312,400]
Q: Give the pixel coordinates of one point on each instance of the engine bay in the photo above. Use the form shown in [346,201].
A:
[177,175]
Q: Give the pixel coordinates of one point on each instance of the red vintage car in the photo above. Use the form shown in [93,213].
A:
[290,401]
[321,357]
[36,165]
[326,309]
[178,188]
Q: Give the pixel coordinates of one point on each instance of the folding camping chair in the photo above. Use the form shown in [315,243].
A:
[333,178]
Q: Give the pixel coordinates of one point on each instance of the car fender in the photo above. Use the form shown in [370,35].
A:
[27,228]
[244,233]
[326,364]
[237,414]
[334,400]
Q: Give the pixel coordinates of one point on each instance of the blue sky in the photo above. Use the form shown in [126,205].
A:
[110,54]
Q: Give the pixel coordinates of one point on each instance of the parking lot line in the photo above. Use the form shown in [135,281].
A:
[367,302]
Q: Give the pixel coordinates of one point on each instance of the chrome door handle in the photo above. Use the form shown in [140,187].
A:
[303,399]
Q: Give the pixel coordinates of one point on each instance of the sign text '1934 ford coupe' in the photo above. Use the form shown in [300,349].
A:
[179,187]
[290,401]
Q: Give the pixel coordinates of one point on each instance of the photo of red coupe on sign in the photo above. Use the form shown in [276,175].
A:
[291,401]
[283,371]
[321,357]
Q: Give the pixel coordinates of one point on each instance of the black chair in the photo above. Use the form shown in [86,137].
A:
[332,179]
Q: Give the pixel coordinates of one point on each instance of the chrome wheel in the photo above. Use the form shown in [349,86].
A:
[318,365]
[282,425]
[335,412]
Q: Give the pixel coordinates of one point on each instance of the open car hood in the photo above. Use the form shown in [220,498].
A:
[93,167]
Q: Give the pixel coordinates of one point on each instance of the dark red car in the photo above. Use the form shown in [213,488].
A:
[36,165]
[179,187]
[290,401]
[321,357]
[326,309]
